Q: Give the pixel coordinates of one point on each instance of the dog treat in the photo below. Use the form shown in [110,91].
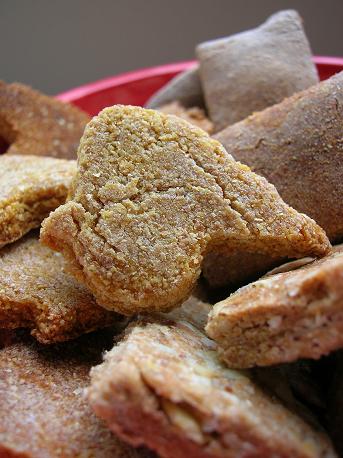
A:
[33,123]
[36,293]
[164,387]
[194,115]
[297,145]
[30,187]
[184,88]
[252,70]
[43,409]
[282,317]
[153,194]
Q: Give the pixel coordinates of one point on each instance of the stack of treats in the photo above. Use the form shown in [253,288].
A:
[171,279]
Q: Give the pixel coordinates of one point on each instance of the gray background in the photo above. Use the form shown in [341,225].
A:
[56,45]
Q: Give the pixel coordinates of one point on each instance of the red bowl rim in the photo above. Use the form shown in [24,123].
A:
[177,67]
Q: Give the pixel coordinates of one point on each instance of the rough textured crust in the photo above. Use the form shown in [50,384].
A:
[43,409]
[279,62]
[184,88]
[164,387]
[154,194]
[194,115]
[282,317]
[33,123]
[297,145]
[30,188]
[36,293]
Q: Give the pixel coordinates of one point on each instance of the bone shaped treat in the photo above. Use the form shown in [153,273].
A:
[154,194]
[252,70]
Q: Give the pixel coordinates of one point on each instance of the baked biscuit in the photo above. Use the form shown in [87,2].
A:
[297,145]
[30,187]
[163,386]
[194,115]
[282,317]
[250,71]
[34,123]
[36,293]
[152,195]
[43,409]
[184,88]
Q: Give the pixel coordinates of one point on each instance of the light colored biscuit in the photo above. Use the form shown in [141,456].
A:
[194,115]
[283,317]
[34,123]
[184,88]
[30,188]
[163,386]
[36,293]
[43,409]
[252,70]
[154,194]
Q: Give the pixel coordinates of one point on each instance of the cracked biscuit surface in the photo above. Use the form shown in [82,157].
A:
[44,412]
[34,123]
[283,316]
[30,187]
[163,384]
[36,293]
[153,194]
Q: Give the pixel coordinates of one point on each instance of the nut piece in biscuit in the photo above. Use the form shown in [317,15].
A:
[164,387]
[252,70]
[44,412]
[154,194]
[184,88]
[30,188]
[36,293]
[194,115]
[34,123]
[283,317]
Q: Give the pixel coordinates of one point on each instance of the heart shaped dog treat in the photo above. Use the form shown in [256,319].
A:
[30,188]
[154,194]
[283,316]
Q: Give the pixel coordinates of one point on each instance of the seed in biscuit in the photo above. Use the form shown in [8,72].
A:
[154,194]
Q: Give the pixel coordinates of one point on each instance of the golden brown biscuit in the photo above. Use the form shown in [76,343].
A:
[43,409]
[282,317]
[163,386]
[30,187]
[250,71]
[297,145]
[152,196]
[33,123]
[36,293]
[194,115]
[184,88]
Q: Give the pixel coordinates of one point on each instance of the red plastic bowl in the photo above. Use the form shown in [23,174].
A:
[135,88]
